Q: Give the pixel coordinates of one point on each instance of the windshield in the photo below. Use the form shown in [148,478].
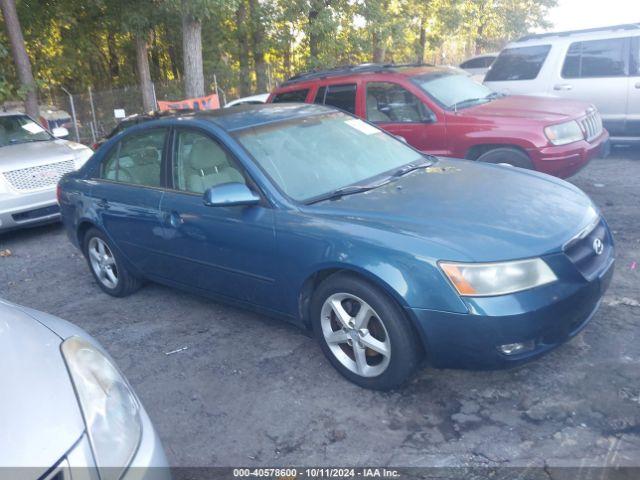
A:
[313,156]
[16,129]
[454,91]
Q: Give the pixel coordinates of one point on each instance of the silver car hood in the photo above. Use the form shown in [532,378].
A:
[24,155]
[40,419]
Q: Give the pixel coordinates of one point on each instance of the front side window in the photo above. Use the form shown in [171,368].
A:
[303,155]
[390,102]
[292,96]
[342,97]
[137,159]
[597,58]
[15,129]
[454,91]
[521,63]
[200,163]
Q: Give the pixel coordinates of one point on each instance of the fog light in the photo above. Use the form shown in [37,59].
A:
[513,348]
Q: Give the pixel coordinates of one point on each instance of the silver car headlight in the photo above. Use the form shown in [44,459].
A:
[500,278]
[564,133]
[110,409]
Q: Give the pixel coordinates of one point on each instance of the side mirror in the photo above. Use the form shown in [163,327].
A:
[430,117]
[60,132]
[230,195]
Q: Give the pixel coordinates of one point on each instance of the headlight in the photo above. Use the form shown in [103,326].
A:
[109,407]
[500,278]
[564,133]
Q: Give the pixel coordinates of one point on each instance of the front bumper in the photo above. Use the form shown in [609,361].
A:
[28,209]
[566,160]
[149,462]
[545,317]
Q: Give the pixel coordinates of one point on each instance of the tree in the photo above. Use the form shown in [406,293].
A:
[20,57]
[192,50]
[258,44]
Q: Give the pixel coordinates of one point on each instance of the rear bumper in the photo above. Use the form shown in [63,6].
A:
[29,209]
[545,318]
[567,160]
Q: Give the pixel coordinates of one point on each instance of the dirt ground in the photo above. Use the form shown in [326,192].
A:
[252,391]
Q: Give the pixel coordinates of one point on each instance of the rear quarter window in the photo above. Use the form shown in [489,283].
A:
[291,96]
[520,63]
[596,58]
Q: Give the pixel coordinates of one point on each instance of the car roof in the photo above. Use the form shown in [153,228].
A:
[10,113]
[406,70]
[248,116]
[613,31]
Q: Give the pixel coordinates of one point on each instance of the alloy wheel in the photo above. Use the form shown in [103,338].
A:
[355,334]
[103,262]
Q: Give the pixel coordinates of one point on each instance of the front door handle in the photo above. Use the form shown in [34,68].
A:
[175,220]
[563,87]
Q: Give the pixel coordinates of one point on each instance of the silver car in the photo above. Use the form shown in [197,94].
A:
[32,160]
[66,411]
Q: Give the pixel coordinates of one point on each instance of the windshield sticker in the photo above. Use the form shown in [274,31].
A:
[362,126]
[33,127]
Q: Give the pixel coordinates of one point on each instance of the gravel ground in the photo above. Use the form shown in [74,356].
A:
[253,391]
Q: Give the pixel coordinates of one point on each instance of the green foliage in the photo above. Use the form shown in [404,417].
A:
[82,43]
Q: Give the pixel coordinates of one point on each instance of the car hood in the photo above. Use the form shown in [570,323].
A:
[545,109]
[476,212]
[39,413]
[24,155]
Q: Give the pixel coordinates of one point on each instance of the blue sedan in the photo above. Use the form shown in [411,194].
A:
[392,258]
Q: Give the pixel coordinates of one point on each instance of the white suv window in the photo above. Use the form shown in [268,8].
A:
[520,63]
[597,58]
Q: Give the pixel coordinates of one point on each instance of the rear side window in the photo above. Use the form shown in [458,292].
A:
[137,159]
[342,97]
[522,63]
[291,96]
[596,58]
[635,56]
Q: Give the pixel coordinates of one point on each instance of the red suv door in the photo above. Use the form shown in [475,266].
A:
[401,112]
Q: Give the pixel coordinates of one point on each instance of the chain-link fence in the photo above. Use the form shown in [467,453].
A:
[91,115]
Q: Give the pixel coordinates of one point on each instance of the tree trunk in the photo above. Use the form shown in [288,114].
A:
[379,48]
[314,38]
[244,85]
[144,75]
[257,43]
[114,68]
[286,62]
[20,57]
[422,42]
[192,54]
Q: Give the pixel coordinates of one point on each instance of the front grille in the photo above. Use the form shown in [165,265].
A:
[591,125]
[41,176]
[582,253]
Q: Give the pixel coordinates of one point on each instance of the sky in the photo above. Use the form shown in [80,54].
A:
[579,14]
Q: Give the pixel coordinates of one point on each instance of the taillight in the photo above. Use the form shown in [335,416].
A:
[59,193]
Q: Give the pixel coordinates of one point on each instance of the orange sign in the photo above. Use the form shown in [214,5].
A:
[210,102]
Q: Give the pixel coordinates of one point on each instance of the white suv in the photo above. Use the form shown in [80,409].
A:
[600,66]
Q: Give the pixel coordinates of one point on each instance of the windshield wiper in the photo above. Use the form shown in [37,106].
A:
[411,167]
[469,101]
[348,190]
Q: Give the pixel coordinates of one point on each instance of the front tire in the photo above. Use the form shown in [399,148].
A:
[507,155]
[363,333]
[107,267]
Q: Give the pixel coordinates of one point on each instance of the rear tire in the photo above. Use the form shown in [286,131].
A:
[510,156]
[107,267]
[363,333]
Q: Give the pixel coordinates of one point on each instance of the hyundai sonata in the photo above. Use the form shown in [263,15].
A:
[389,256]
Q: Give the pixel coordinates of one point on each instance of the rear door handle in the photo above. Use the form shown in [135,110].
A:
[563,87]
[104,204]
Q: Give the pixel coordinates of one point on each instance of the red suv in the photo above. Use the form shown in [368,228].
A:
[442,111]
